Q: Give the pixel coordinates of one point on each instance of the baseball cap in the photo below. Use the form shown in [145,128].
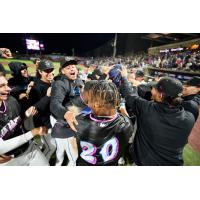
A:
[194,81]
[115,74]
[45,64]
[2,69]
[16,67]
[169,87]
[65,63]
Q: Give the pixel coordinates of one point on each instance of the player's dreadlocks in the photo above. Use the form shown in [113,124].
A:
[89,84]
[106,94]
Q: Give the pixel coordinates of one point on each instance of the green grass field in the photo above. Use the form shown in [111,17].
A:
[31,67]
[191,157]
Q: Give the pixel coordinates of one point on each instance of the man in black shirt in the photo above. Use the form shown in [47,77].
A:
[40,94]
[39,97]
[163,126]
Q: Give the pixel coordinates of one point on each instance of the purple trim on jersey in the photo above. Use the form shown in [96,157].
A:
[104,120]
[5,108]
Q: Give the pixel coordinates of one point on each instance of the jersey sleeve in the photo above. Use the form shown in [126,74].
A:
[13,143]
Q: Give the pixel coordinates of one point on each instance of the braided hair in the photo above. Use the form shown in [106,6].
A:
[106,94]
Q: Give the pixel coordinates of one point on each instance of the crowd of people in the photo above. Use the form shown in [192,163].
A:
[105,116]
[183,61]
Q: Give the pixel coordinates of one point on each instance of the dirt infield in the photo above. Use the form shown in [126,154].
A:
[194,138]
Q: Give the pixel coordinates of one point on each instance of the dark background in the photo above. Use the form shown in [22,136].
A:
[81,42]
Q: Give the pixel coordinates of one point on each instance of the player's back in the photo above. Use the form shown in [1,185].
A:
[102,140]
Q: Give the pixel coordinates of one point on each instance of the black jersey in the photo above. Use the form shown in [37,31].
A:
[11,123]
[102,141]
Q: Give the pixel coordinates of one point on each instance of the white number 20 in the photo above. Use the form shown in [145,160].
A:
[108,152]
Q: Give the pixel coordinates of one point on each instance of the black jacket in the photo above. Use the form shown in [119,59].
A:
[19,85]
[63,94]
[162,131]
[38,97]
[191,103]
[11,124]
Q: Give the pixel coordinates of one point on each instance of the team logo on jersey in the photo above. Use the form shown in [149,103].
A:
[9,128]
[102,124]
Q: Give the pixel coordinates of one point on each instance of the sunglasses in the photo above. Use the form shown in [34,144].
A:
[24,68]
[48,70]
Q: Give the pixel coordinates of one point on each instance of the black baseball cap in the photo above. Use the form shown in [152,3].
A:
[194,81]
[169,87]
[45,64]
[65,63]
[2,69]
[16,67]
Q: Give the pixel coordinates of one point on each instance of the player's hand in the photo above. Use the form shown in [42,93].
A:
[123,111]
[106,70]
[135,82]
[124,71]
[49,92]
[22,95]
[43,130]
[6,53]
[71,120]
[97,77]
[4,158]
[31,111]
[30,85]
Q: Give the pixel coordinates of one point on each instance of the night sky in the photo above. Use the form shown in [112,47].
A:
[64,42]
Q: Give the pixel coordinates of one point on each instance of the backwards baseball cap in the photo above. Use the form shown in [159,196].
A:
[45,64]
[65,63]
[194,81]
[169,87]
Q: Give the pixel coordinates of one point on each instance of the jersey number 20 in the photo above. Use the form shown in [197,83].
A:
[108,152]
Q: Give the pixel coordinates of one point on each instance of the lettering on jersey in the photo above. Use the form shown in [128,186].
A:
[9,128]
[108,152]
[103,124]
